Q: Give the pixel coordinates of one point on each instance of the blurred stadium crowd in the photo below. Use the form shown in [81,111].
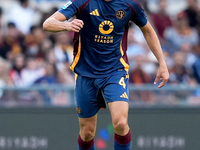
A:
[29,55]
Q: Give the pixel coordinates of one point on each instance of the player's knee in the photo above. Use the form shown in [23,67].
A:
[120,124]
[87,132]
[87,135]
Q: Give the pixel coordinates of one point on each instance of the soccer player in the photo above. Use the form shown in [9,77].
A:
[100,61]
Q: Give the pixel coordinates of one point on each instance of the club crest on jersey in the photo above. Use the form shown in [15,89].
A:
[66,5]
[120,14]
[78,110]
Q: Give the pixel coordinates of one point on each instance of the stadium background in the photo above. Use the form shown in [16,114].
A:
[37,106]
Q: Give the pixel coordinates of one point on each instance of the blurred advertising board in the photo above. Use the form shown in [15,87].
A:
[57,128]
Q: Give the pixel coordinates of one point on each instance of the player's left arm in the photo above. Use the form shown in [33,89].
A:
[154,45]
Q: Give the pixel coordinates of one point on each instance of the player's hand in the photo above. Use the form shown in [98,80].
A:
[75,25]
[162,75]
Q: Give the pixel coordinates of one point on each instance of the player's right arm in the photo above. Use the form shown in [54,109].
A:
[57,22]
[139,18]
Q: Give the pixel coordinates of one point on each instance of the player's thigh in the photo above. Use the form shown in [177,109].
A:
[117,96]
[119,112]
[86,97]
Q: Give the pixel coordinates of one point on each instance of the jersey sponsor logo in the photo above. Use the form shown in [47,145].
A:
[124,95]
[106,27]
[66,5]
[95,13]
[103,39]
[120,14]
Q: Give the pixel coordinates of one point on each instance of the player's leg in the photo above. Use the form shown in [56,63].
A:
[87,108]
[87,133]
[117,96]
[119,114]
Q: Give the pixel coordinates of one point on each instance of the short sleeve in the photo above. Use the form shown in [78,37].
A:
[70,8]
[138,15]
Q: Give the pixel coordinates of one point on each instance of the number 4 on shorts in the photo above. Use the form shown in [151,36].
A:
[122,83]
